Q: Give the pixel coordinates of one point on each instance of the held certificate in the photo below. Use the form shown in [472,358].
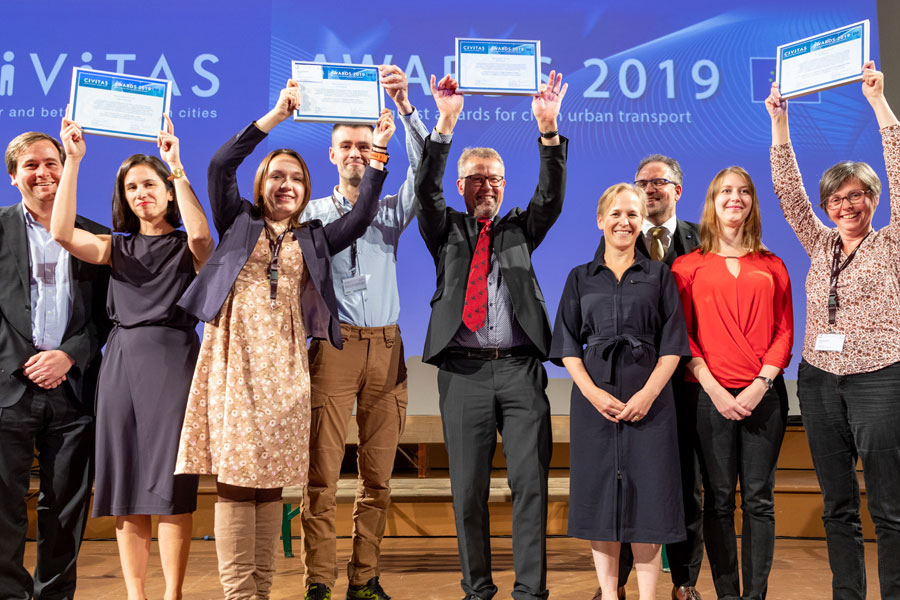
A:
[498,66]
[337,93]
[119,105]
[823,61]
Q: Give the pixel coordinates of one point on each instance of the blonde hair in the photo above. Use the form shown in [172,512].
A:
[612,191]
[709,221]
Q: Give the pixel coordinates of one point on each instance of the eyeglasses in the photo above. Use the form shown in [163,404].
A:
[478,180]
[854,198]
[657,183]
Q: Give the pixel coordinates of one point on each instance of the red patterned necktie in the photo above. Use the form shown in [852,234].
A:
[475,309]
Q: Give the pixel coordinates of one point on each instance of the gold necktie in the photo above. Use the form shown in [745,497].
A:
[657,249]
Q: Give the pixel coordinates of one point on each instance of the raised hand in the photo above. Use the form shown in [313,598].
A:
[775,104]
[384,129]
[72,138]
[168,144]
[395,83]
[546,103]
[288,101]
[449,102]
[873,81]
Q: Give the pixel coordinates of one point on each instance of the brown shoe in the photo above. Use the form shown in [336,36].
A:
[686,592]
[620,593]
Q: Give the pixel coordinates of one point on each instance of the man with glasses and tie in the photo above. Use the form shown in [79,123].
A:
[667,237]
[489,333]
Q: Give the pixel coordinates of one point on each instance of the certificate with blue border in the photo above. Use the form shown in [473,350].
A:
[336,93]
[485,66]
[823,61]
[119,105]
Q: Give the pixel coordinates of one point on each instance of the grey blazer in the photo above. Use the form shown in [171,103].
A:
[239,225]
[450,236]
[88,325]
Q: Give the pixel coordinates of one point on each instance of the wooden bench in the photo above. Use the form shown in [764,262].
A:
[408,489]
[421,430]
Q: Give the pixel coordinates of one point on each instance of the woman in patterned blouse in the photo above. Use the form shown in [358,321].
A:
[850,373]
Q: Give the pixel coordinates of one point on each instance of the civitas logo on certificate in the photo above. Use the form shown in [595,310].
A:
[36,84]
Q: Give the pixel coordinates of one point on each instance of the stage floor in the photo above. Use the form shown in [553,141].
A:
[428,569]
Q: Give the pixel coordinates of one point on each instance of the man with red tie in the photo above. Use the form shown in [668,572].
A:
[489,333]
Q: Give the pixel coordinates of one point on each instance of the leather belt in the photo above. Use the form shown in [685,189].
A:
[491,353]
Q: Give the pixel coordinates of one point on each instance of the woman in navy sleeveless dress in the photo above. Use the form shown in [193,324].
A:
[149,358]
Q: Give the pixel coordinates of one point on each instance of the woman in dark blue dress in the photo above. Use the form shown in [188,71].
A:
[149,358]
[620,333]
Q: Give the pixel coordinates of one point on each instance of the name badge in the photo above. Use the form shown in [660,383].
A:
[354,284]
[830,342]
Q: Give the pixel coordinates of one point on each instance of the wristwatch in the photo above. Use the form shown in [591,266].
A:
[769,383]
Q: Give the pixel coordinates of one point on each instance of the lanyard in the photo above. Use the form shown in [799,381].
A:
[274,252]
[836,269]
[353,248]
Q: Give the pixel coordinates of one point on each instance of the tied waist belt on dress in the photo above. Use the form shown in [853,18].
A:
[608,346]
[492,353]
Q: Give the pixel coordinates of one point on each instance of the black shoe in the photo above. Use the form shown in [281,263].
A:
[317,591]
[370,590]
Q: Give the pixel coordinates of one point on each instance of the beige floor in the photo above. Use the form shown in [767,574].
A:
[428,569]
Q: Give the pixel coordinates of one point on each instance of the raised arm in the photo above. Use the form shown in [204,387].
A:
[873,90]
[546,203]
[786,178]
[200,241]
[396,84]
[431,207]
[81,244]
[350,226]
[224,196]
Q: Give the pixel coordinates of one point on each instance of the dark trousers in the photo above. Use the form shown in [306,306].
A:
[62,432]
[745,450]
[477,399]
[849,417]
[685,558]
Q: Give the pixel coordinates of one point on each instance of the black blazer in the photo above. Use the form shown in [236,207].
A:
[88,325]
[450,236]
[239,226]
[686,239]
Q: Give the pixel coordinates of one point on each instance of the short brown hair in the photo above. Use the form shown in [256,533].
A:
[709,220]
[123,218]
[468,153]
[21,142]
[836,176]
[259,184]
[351,126]
[614,190]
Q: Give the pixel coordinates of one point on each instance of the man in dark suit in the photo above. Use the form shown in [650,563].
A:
[489,332]
[665,238]
[52,325]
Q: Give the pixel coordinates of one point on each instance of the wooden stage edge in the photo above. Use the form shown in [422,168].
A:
[428,569]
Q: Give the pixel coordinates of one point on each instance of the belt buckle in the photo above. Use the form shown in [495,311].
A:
[494,353]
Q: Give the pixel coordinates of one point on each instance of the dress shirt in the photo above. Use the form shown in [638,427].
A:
[670,226]
[500,329]
[51,285]
[376,251]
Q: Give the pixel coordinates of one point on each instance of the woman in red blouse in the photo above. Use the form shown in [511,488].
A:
[737,303]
